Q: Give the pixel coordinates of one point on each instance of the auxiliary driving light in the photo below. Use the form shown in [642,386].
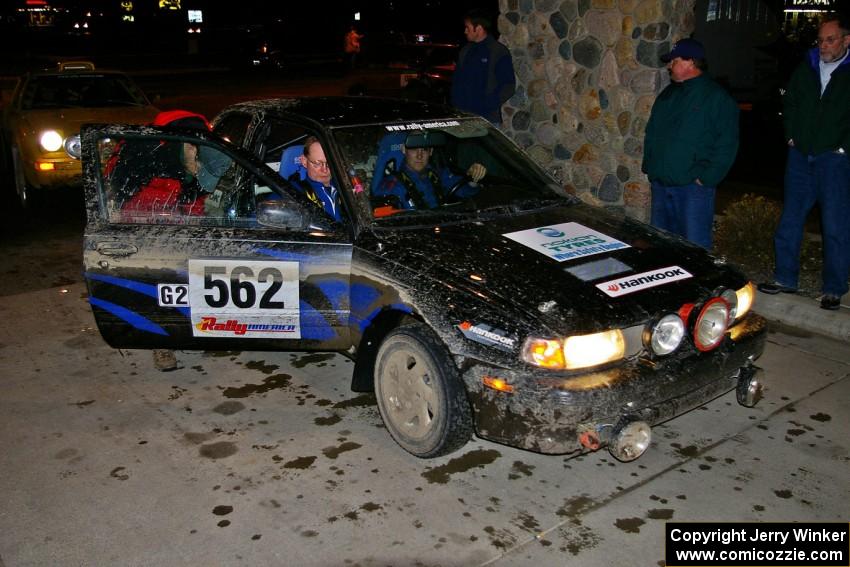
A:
[630,441]
[667,334]
[711,323]
[73,147]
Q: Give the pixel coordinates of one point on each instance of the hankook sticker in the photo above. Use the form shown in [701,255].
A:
[566,241]
[244,298]
[487,335]
[645,280]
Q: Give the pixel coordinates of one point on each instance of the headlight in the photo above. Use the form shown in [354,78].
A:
[579,351]
[51,141]
[589,350]
[73,147]
[667,334]
[746,296]
[711,323]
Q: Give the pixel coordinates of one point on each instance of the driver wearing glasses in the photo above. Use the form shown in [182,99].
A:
[419,185]
[318,185]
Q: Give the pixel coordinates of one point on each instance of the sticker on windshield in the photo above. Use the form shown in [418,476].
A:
[421,125]
[244,299]
[566,241]
[645,280]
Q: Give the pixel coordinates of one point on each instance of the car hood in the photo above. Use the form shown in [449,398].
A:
[519,281]
[69,120]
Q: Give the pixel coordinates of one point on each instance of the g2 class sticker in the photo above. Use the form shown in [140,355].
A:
[244,298]
[645,280]
[487,335]
[566,241]
[172,295]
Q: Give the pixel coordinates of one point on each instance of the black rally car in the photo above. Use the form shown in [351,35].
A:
[503,307]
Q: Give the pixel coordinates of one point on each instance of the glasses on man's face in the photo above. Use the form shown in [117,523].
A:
[318,164]
[829,40]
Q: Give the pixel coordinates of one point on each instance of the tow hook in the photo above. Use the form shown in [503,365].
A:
[750,387]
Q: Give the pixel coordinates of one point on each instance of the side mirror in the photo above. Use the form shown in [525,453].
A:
[279,213]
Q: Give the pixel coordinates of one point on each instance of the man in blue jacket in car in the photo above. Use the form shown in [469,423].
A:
[419,185]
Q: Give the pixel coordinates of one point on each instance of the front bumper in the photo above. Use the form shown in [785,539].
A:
[551,414]
[66,171]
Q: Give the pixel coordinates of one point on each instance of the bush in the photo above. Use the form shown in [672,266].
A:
[744,234]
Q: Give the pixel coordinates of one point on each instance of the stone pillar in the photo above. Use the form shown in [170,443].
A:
[587,73]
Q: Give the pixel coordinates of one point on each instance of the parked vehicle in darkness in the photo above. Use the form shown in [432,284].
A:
[515,311]
[41,123]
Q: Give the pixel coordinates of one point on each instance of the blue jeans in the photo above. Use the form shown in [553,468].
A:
[825,179]
[686,210]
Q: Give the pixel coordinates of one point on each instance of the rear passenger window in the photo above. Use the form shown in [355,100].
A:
[147,180]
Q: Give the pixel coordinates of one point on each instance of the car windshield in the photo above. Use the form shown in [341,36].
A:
[457,167]
[80,91]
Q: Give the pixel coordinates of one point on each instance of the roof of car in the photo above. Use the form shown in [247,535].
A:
[350,111]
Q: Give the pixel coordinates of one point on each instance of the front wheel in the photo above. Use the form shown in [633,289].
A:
[19,178]
[420,395]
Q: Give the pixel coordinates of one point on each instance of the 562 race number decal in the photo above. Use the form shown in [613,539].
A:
[244,298]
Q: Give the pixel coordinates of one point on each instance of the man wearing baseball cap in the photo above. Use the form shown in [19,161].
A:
[691,142]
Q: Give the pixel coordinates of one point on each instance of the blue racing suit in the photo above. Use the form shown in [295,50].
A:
[424,190]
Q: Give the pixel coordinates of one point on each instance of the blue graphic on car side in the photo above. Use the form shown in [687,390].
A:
[138,287]
[130,317]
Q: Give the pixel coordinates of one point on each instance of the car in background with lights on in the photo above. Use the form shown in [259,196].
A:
[41,122]
[503,307]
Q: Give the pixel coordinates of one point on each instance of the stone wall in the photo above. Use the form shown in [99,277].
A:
[587,73]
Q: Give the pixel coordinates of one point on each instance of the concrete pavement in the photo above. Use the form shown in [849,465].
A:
[262,458]
[805,313]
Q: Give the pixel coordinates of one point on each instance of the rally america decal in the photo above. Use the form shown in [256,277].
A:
[637,282]
[244,299]
[487,335]
[566,241]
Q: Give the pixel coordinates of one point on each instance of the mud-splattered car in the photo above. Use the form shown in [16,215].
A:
[503,307]
[41,123]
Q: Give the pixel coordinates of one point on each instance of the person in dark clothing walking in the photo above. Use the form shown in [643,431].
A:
[816,113]
[690,145]
[484,75]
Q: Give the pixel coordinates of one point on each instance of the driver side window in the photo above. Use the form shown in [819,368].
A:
[148,180]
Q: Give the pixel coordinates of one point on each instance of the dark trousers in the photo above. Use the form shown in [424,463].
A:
[825,179]
[686,210]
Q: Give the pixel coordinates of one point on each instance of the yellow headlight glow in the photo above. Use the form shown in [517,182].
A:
[546,353]
[582,351]
[51,141]
[746,295]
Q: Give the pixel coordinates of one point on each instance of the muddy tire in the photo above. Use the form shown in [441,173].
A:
[25,196]
[420,395]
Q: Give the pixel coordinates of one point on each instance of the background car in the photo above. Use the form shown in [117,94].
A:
[41,122]
[503,306]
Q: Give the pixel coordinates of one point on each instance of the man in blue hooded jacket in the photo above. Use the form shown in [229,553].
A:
[484,75]
[816,115]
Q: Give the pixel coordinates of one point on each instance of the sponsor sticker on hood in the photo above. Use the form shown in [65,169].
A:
[566,241]
[636,282]
[487,335]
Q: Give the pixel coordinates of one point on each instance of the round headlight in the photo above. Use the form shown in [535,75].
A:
[711,324]
[667,334]
[732,299]
[73,147]
[51,141]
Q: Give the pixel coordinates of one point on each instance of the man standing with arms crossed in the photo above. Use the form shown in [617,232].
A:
[691,142]
[484,75]
[817,127]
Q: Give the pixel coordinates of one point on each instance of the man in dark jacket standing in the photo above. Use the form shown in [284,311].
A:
[484,75]
[691,142]
[817,129]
